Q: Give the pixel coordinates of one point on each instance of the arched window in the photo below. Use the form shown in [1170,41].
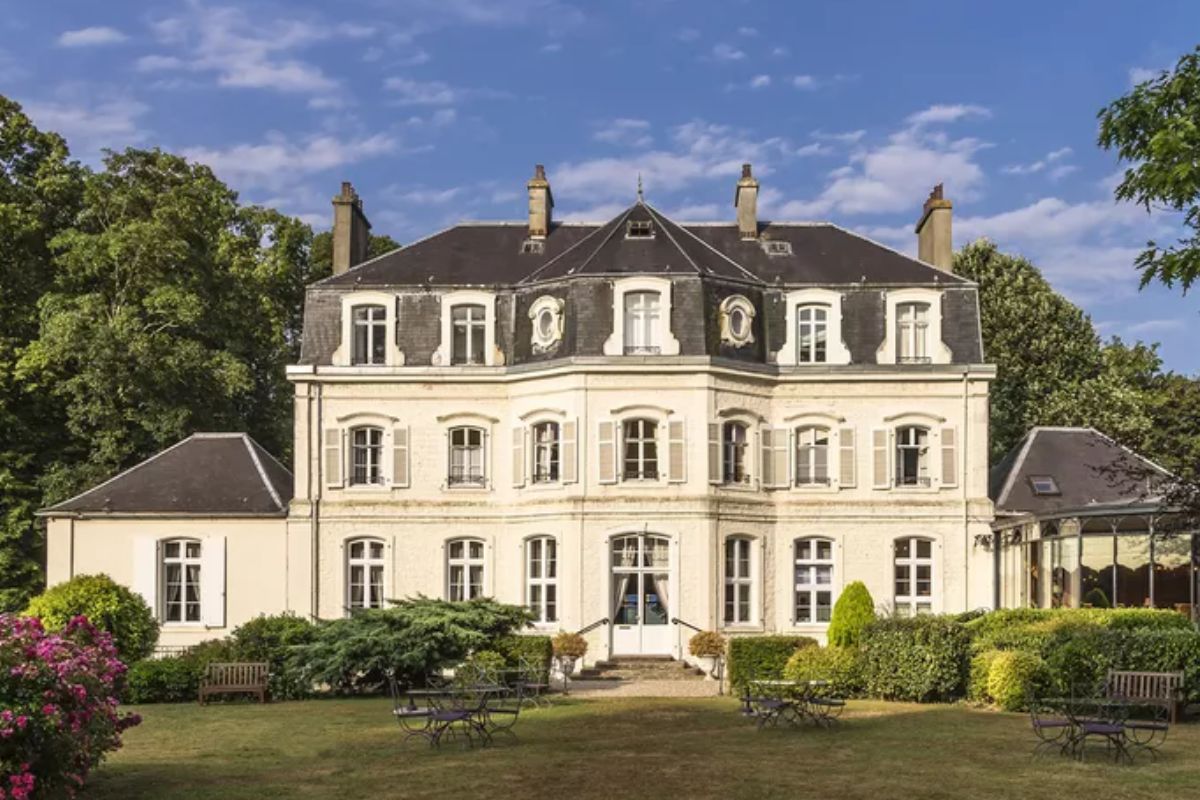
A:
[812,330]
[466,457]
[912,333]
[812,456]
[733,446]
[366,456]
[464,569]
[370,335]
[739,581]
[914,576]
[912,456]
[814,580]
[364,574]
[181,580]
[468,334]
[640,437]
[541,578]
[642,310]
[545,452]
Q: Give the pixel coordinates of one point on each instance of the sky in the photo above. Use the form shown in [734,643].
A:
[437,111]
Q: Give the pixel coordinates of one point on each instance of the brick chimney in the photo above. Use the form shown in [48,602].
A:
[745,199]
[934,245]
[541,203]
[351,230]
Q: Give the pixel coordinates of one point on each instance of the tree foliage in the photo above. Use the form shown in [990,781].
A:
[108,605]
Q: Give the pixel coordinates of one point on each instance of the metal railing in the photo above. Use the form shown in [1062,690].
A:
[593,626]
[678,621]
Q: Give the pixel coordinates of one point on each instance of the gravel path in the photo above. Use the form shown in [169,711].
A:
[644,688]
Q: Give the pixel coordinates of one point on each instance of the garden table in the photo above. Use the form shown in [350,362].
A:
[772,700]
[1095,717]
[465,706]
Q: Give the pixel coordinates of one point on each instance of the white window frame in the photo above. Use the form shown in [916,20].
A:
[888,352]
[543,581]
[925,473]
[810,587]
[831,460]
[183,561]
[907,604]
[550,308]
[379,462]
[467,429]
[641,441]
[343,356]
[912,333]
[365,563]
[375,326]
[734,581]
[443,356]
[836,351]
[730,454]
[736,303]
[538,447]
[464,563]
[668,345]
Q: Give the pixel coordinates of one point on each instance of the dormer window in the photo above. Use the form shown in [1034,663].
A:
[642,311]
[776,248]
[533,247]
[639,229]
[1044,485]
[912,333]
[467,323]
[370,335]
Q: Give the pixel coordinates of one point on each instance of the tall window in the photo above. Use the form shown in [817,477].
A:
[467,324]
[545,452]
[541,578]
[812,326]
[812,456]
[370,335]
[912,333]
[914,576]
[912,456]
[464,569]
[181,580]
[738,581]
[642,311]
[734,449]
[641,449]
[364,574]
[366,456]
[814,580]
[466,457]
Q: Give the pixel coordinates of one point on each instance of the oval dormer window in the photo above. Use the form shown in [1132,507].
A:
[737,321]
[547,316]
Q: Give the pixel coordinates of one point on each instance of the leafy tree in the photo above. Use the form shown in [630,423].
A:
[108,605]
[852,613]
[322,251]
[1156,130]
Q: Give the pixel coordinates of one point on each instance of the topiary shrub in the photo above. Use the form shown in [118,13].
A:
[852,613]
[106,604]
[838,665]
[1013,676]
[923,658]
[977,681]
[707,644]
[272,639]
[569,645]
[162,680]
[762,656]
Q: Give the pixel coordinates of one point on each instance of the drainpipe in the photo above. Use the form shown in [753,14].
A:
[314,506]
[582,475]
[71,560]
[966,448]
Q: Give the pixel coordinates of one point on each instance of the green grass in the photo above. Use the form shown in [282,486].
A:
[617,748]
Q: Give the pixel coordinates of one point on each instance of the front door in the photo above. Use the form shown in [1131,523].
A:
[641,594]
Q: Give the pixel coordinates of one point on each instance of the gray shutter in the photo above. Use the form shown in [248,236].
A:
[333,457]
[949,457]
[568,452]
[676,451]
[847,475]
[400,470]
[606,447]
[767,459]
[880,458]
[780,438]
[714,452]
[518,456]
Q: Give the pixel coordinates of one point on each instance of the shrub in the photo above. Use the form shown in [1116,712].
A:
[762,656]
[707,644]
[852,613]
[487,661]
[162,680]
[921,658]
[59,716]
[534,651]
[1013,675]
[106,604]
[1034,628]
[1096,598]
[272,639]
[569,645]
[838,665]
[977,681]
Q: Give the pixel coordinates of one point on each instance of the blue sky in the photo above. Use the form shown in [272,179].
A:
[437,110]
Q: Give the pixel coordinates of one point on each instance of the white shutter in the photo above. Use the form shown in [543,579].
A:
[145,570]
[881,458]
[780,438]
[568,452]
[676,451]
[606,450]
[518,456]
[767,459]
[714,452]
[333,457]
[847,474]
[949,457]
[400,468]
[212,581]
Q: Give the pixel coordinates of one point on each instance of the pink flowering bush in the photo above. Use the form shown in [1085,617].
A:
[58,706]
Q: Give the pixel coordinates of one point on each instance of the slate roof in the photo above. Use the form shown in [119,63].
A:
[221,474]
[1091,471]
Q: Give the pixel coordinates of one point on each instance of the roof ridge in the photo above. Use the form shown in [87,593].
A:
[122,473]
[617,220]
[531,276]
[753,277]
[666,223]
[362,264]
[1017,464]
[938,272]
[262,473]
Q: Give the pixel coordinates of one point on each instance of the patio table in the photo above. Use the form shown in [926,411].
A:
[462,705]
[790,700]
[1102,717]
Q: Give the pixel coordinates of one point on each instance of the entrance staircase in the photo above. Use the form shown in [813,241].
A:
[642,676]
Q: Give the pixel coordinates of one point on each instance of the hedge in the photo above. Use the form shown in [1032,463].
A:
[1027,627]
[841,666]
[108,605]
[536,651]
[162,680]
[852,613]
[762,656]
[922,658]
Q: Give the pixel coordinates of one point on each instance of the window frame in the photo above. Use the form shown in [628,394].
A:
[543,307]
[183,560]
[732,305]
[911,564]
[474,333]
[548,547]
[810,587]
[554,454]
[739,572]
[344,355]
[936,350]
[444,355]
[912,327]
[642,323]
[374,325]
[668,345]
[377,462]
[367,563]
[798,432]
[818,330]
[735,454]
[642,442]
[464,563]
[466,447]
[924,476]
[836,352]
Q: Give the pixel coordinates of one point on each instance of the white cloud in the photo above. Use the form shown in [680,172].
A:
[88,123]
[1142,74]
[552,47]
[1046,162]
[748,31]
[688,35]
[941,114]
[804,82]
[1152,326]
[602,212]
[91,37]
[760,81]
[159,63]
[727,52]
[422,93]
[813,149]
[700,212]
[625,132]
[279,161]
[843,137]
[779,52]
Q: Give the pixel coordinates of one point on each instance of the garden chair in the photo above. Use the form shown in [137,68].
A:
[534,683]
[1099,720]
[502,710]
[1146,728]
[1052,728]
[414,720]
[824,709]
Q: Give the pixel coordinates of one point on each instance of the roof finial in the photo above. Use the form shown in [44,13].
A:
[641,197]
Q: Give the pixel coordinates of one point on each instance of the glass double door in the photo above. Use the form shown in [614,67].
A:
[641,590]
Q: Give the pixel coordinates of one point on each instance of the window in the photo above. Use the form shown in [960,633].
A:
[737,320]
[641,323]
[639,229]
[912,456]
[545,452]
[812,330]
[181,580]
[738,582]
[533,247]
[1044,485]
[914,576]
[814,580]
[541,578]
[812,456]
[776,248]
[468,334]
[366,454]
[641,449]
[370,335]
[733,446]
[912,333]
[464,569]
[364,574]
[466,457]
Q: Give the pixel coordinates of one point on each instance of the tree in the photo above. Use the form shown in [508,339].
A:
[1156,130]
[322,251]
[108,605]
[852,613]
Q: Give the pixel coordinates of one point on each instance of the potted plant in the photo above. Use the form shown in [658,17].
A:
[568,648]
[709,649]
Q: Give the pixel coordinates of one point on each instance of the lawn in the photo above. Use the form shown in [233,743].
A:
[616,748]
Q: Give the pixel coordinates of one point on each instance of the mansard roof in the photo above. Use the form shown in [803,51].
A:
[483,253]
[217,474]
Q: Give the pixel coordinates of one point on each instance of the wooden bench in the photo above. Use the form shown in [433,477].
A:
[235,678]
[1159,688]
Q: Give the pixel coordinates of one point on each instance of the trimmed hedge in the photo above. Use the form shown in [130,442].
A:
[841,666]
[1013,675]
[762,656]
[920,658]
[536,651]
[162,680]
[1035,627]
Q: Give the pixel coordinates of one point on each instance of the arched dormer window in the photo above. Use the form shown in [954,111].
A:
[814,329]
[641,318]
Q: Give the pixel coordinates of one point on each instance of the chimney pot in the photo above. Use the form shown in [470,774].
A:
[351,230]
[934,243]
[541,203]
[745,199]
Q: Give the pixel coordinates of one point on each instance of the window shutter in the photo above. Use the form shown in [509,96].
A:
[568,452]
[881,458]
[607,452]
[212,581]
[714,452]
[145,571]
[780,439]
[949,457]
[518,456]
[846,472]
[333,457]
[767,460]
[400,471]
[676,451]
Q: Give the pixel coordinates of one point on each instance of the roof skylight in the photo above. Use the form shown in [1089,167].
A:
[1044,485]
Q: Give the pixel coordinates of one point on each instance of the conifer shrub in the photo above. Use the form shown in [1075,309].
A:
[852,613]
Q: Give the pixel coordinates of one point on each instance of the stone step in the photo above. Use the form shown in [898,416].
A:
[642,668]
